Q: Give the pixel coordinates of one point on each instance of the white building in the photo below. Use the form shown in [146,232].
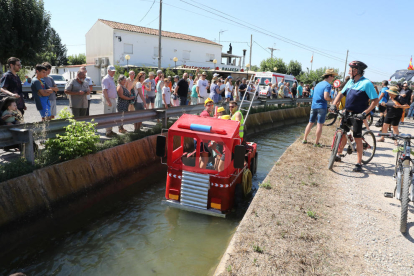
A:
[113,40]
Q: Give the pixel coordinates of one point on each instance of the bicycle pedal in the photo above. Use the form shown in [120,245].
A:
[387,194]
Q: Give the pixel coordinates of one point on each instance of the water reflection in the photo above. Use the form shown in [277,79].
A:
[132,233]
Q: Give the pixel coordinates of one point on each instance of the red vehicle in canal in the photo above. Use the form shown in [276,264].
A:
[207,163]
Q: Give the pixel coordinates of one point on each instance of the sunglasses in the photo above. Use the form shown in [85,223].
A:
[232,106]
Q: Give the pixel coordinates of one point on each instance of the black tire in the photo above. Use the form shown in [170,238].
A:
[369,145]
[396,162]
[404,197]
[330,118]
[337,141]
[253,164]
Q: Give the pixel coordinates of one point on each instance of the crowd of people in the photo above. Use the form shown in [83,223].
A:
[358,96]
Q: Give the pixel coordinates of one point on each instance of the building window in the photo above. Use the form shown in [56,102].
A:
[209,57]
[128,48]
[186,55]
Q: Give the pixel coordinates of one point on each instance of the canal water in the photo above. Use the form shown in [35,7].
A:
[131,233]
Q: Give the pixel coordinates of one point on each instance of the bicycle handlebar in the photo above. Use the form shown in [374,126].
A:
[351,116]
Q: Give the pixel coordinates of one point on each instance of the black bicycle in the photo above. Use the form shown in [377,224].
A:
[330,119]
[403,175]
[369,143]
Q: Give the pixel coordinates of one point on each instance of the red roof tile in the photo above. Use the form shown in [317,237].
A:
[143,30]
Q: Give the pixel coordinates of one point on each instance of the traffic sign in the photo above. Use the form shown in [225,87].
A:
[337,83]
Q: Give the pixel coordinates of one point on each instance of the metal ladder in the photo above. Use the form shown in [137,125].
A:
[249,101]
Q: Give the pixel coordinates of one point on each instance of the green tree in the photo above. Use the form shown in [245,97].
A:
[25,30]
[77,59]
[254,68]
[270,63]
[294,68]
[314,75]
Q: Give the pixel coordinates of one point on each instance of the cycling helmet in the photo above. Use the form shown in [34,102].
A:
[359,65]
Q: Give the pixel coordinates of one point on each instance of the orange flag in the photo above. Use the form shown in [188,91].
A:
[411,67]
[312,60]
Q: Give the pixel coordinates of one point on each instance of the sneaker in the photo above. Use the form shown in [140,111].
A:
[318,145]
[357,168]
[338,158]
[304,142]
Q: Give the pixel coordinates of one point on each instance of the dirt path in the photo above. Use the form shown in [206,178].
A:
[374,219]
[313,221]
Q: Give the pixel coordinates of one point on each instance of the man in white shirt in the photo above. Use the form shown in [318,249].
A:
[202,88]
[90,83]
[109,96]
[190,82]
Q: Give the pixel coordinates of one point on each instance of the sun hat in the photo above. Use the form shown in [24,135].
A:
[393,90]
[330,72]
[208,101]
[220,109]
[111,68]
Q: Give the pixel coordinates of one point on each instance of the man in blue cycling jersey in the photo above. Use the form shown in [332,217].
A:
[358,91]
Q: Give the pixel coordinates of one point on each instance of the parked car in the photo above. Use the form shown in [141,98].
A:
[60,81]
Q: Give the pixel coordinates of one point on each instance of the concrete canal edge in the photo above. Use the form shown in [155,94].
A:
[53,190]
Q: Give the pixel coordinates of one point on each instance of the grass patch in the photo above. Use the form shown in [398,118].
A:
[257,249]
[311,214]
[229,268]
[266,185]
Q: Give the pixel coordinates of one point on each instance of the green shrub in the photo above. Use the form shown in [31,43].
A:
[15,168]
[64,114]
[80,139]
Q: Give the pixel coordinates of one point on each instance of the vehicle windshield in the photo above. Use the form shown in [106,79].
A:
[58,78]
[264,81]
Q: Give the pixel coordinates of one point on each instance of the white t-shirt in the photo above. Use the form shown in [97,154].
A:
[89,82]
[167,92]
[137,86]
[223,86]
[202,86]
[229,89]
[190,84]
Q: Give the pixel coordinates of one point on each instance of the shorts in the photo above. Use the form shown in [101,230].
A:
[45,112]
[318,114]
[193,100]
[139,106]
[356,127]
[382,108]
[394,121]
[150,100]
[223,156]
[52,107]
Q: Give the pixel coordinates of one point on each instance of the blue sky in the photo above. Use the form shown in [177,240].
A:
[378,33]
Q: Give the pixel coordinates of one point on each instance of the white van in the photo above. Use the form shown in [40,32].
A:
[269,77]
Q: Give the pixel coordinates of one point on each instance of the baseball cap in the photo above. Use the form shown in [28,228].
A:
[216,75]
[111,68]
[243,78]
[229,77]
[208,101]
[191,75]
[204,74]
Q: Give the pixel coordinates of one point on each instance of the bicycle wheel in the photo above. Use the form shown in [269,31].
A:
[335,146]
[370,119]
[404,198]
[369,145]
[330,119]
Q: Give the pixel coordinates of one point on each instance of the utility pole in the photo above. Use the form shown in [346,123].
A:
[271,51]
[221,33]
[251,46]
[159,38]
[346,61]
[312,61]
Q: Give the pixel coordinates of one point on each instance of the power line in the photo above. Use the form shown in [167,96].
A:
[152,21]
[279,37]
[148,11]
[261,47]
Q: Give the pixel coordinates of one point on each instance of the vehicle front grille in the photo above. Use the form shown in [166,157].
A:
[194,189]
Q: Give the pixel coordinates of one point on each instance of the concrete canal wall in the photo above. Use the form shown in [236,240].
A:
[46,192]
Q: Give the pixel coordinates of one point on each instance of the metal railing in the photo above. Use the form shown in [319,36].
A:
[25,133]
[61,88]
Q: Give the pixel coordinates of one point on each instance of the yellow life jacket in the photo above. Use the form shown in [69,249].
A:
[241,129]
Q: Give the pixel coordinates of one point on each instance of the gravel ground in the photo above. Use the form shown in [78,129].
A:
[356,230]
[374,220]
